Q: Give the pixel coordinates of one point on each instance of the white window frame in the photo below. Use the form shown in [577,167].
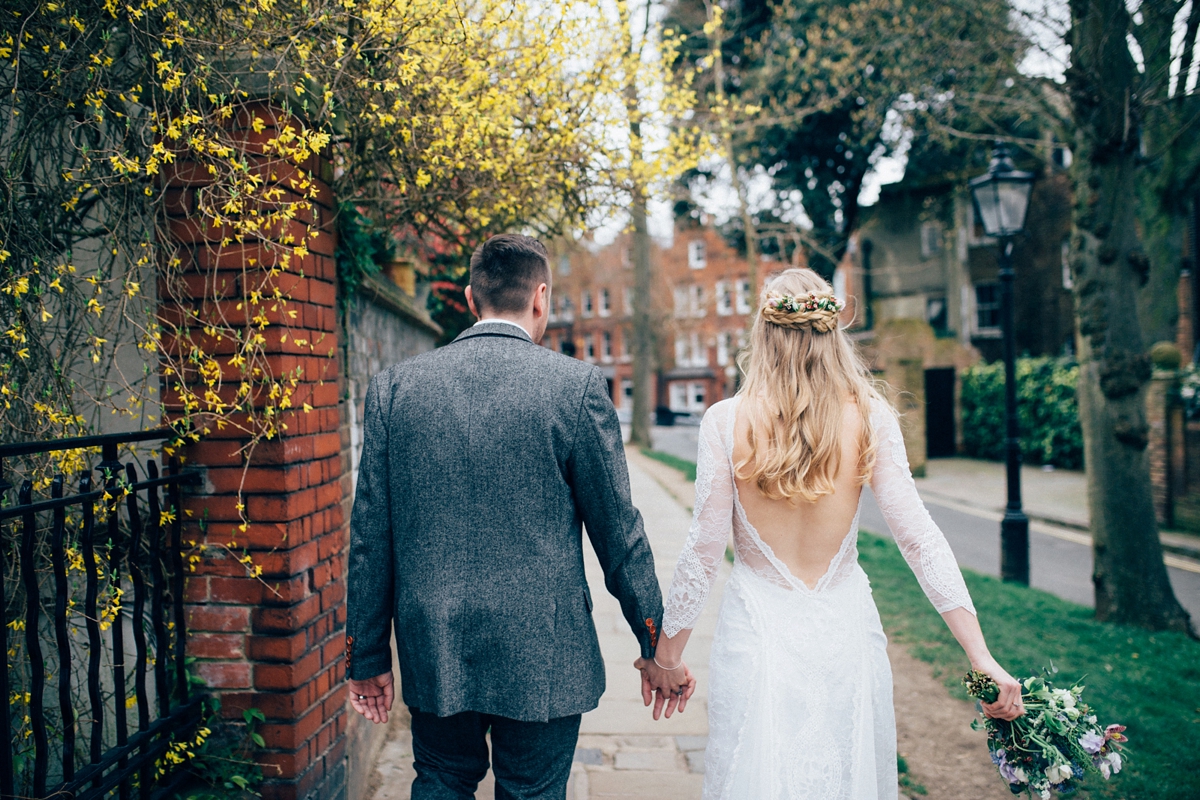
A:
[681,351]
[697,305]
[698,353]
[931,239]
[724,348]
[627,299]
[606,352]
[697,254]
[589,349]
[742,297]
[724,292]
[681,302]
[585,304]
[605,303]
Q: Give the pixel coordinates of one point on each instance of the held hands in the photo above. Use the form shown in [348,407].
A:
[373,697]
[669,688]
[1008,705]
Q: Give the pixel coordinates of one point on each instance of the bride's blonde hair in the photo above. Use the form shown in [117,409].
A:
[800,369]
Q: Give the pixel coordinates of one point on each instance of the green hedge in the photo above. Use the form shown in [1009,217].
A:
[1049,416]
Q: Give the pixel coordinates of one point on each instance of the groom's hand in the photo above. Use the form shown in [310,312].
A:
[669,689]
[373,697]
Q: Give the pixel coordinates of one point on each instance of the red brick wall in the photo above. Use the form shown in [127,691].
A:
[274,644]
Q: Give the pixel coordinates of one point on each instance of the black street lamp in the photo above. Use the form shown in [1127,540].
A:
[1001,200]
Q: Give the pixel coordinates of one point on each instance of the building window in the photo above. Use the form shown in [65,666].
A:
[1068,279]
[697,254]
[724,299]
[699,353]
[566,311]
[937,313]
[626,394]
[724,346]
[586,304]
[743,297]
[627,300]
[690,351]
[625,354]
[681,302]
[696,301]
[589,348]
[687,397]
[605,303]
[987,306]
[626,257]
[566,346]
[564,264]
[931,239]
[606,347]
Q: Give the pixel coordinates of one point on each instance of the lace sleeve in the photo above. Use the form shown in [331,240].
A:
[921,541]
[712,521]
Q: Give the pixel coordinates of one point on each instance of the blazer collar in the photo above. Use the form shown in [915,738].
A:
[495,329]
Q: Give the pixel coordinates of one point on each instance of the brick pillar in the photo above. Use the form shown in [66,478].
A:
[274,644]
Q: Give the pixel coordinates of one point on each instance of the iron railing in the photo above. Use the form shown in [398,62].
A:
[57,549]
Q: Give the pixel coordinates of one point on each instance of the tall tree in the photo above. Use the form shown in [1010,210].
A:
[1111,265]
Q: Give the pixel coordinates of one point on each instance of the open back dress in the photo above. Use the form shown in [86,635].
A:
[800,688]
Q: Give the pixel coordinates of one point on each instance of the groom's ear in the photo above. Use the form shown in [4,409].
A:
[541,300]
[471,303]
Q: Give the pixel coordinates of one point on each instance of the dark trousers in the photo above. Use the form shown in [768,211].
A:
[529,759]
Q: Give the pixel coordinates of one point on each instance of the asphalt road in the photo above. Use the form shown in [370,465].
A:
[1060,558]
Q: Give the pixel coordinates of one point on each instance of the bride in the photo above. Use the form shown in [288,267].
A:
[800,701]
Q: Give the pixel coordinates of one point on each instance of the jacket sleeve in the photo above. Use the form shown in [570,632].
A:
[369,591]
[599,480]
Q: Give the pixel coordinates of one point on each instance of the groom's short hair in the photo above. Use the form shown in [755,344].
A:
[505,271]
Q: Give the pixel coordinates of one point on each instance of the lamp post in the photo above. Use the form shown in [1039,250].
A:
[1001,199]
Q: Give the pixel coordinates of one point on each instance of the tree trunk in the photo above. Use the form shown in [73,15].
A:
[643,328]
[1130,579]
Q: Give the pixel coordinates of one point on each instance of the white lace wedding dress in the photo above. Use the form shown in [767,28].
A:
[800,688]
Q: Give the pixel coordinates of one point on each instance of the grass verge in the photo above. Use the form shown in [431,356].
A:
[1148,681]
[688,468]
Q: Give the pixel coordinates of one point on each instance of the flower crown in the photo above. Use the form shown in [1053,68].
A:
[816,311]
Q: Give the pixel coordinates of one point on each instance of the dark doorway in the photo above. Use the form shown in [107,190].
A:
[939,413]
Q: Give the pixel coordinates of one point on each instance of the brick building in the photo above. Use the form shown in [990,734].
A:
[701,303]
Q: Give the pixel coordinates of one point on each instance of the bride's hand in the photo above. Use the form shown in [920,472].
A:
[666,688]
[1008,705]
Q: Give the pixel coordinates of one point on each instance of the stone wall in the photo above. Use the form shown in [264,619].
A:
[898,352]
[382,326]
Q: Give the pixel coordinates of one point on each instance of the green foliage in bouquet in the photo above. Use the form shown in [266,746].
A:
[1049,416]
[1053,744]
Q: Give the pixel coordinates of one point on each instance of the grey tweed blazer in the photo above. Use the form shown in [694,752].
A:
[480,462]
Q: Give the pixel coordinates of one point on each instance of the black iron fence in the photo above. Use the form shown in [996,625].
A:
[72,563]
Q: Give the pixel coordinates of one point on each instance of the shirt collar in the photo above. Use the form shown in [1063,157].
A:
[505,322]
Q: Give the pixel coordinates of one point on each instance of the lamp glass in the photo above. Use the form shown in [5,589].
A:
[1002,200]
[1013,202]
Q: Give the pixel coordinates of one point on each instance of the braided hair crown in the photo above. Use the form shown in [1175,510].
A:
[816,312]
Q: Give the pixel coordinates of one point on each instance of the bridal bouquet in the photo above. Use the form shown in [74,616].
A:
[1054,744]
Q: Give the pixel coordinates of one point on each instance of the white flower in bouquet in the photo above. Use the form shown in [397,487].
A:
[1057,773]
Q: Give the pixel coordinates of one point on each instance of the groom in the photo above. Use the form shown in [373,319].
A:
[480,462]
